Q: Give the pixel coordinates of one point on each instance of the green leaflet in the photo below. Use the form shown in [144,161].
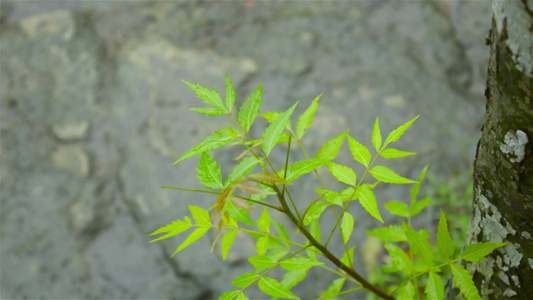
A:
[397,133]
[230,93]
[282,233]
[210,97]
[391,233]
[407,292]
[419,206]
[239,214]
[348,194]
[262,245]
[305,120]
[329,150]
[418,245]
[434,288]
[229,295]
[394,153]
[263,223]
[250,109]
[359,152]
[245,166]
[273,132]
[242,296]
[209,172]
[210,111]
[333,289]
[330,196]
[314,212]
[273,288]
[216,140]
[173,229]
[193,237]
[227,240]
[277,254]
[244,280]
[416,187]
[292,278]
[271,116]
[462,279]
[400,259]
[376,136]
[347,257]
[397,208]
[444,240]
[342,173]
[200,215]
[298,263]
[347,227]
[368,201]
[477,252]
[314,229]
[261,262]
[300,168]
[384,174]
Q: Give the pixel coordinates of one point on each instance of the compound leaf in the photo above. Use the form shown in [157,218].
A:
[216,140]
[193,237]
[347,226]
[444,240]
[210,97]
[462,279]
[384,174]
[376,136]
[359,152]
[329,150]
[368,201]
[227,240]
[305,120]
[209,172]
[230,93]
[394,153]
[273,288]
[342,173]
[397,133]
[273,132]
[477,252]
[435,287]
[250,109]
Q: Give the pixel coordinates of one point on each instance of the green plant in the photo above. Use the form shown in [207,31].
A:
[269,188]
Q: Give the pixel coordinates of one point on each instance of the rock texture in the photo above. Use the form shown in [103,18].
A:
[93,113]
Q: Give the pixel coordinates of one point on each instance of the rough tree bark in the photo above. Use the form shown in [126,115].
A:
[503,169]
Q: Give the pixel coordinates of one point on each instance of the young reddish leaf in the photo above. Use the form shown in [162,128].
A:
[244,280]
[394,153]
[444,240]
[211,97]
[210,111]
[273,288]
[292,278]
[347,226]
[314,212]
[359,152]
[230,93]
[227,241]
[391,233]
[368,201]
[329,150]
[397,133]
[330,196]
[333,289]
[434,288]
[245,166]
[463,280]
[220,203]
[397,208]
[298,263]
[342,173]
[384,174]
[407,292]
[263,223]
[250,109]
[269,178]
[216,140]
[273,132]
[477,252]
[209,172]
[305,120]
[254,190]
[193,237]
[376,136]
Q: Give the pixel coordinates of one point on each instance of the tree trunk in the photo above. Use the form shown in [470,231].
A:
[503,169]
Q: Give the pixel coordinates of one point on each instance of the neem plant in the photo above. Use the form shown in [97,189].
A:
[412,257]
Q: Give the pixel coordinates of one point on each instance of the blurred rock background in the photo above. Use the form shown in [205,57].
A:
[94,113]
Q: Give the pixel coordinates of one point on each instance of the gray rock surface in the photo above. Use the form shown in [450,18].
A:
[93,113]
